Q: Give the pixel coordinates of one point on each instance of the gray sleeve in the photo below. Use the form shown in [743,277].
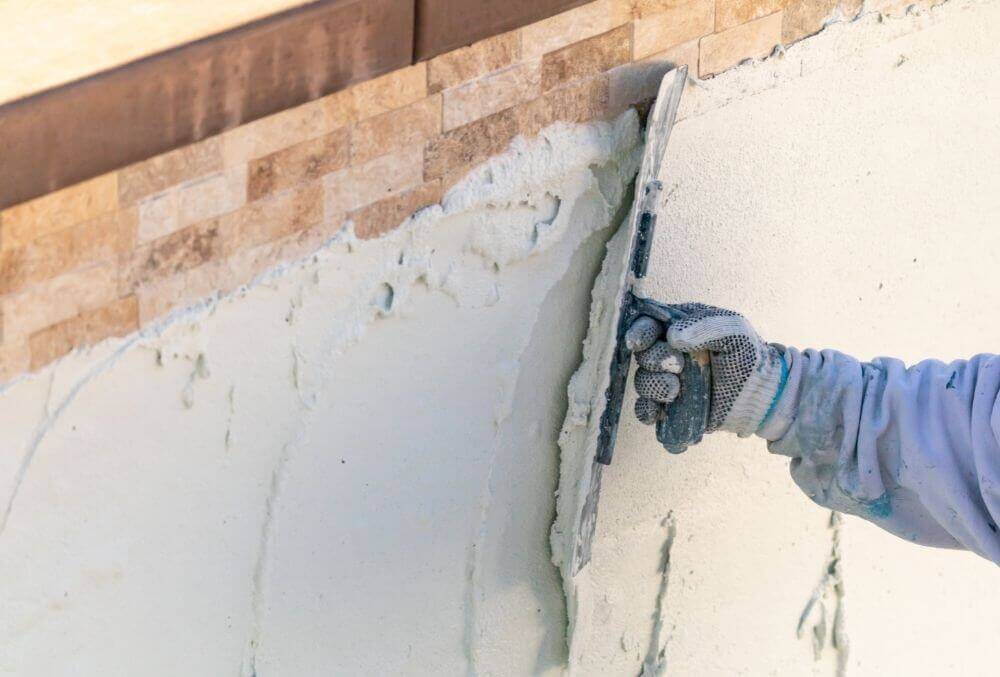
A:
[914,450]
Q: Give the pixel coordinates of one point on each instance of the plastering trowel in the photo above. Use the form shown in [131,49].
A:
[687,417]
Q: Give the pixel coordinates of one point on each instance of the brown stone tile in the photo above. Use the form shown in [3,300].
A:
[581,101]
[675,22]
[306,161]
[385,215]
[118,318]
[490,94]
[407,126]
[639,82]
[163,171]
[747,41]
[469,144]
[58,299]
[588,57]
[169,255]
[276,216]
[85,201]
[359,185]
[468,63]
[729,13]
[276,132]
[574,25]
[804,17]
[101,239]
[374,97]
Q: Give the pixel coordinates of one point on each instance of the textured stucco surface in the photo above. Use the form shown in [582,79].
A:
[349,467]
[851,202]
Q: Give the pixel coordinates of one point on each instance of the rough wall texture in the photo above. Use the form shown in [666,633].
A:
[109,255]
[851,202]
[349,467]
[346,469]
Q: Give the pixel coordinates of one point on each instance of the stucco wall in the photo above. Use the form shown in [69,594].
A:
[350,466]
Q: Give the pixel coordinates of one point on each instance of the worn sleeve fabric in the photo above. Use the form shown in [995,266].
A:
[914,450]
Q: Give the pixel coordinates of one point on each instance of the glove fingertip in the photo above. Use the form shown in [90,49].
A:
[648,411]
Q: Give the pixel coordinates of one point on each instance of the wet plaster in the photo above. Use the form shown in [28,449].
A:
[349,464]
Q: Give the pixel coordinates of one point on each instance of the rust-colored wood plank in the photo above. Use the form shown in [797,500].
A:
[443,25]
[83,129]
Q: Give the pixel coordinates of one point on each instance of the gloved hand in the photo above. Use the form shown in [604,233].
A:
[747,373]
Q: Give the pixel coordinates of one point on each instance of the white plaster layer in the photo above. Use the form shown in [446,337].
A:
[348,468]
[843,195]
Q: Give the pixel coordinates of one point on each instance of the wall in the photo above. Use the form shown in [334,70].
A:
[843,196]
[349,465]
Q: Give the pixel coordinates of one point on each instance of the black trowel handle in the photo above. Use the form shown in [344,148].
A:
[687,416]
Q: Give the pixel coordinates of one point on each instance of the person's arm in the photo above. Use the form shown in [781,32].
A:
[915,451]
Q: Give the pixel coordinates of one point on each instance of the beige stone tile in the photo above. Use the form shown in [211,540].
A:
[729,13]
[468,63]
[275,132]
[470,144]
[677,22]
[15,359]
[58,299]
[118,318]
[379,218]
[100,239]
[375,180]
[639,82]
[407,126]
[82,202]
[588,57]
[163,171]
[750,40]
[487,95]
[374,97]
[574,25]
[804,17]
[191,202]
[274,217]
[306,161]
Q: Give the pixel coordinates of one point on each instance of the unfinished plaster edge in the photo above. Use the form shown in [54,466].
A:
[835,43]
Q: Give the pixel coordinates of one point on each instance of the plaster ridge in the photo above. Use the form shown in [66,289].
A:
[260,571]
[50,418]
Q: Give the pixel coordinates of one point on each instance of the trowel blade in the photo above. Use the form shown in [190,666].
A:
[641,224]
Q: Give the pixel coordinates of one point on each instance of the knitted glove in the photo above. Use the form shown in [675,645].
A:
[747,373]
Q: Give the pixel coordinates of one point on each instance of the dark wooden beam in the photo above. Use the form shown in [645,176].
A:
[83,129]
[443,25]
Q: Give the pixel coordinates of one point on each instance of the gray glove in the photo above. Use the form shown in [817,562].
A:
[747,373]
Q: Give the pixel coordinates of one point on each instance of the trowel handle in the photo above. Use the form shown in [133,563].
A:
[687,416]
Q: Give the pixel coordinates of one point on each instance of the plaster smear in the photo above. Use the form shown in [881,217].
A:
[844,194]
[347,468]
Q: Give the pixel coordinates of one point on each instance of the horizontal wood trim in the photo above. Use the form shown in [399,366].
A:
[444,25]
[83,129]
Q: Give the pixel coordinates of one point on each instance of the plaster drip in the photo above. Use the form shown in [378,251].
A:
[261,566]
[815,615]
[655,663]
